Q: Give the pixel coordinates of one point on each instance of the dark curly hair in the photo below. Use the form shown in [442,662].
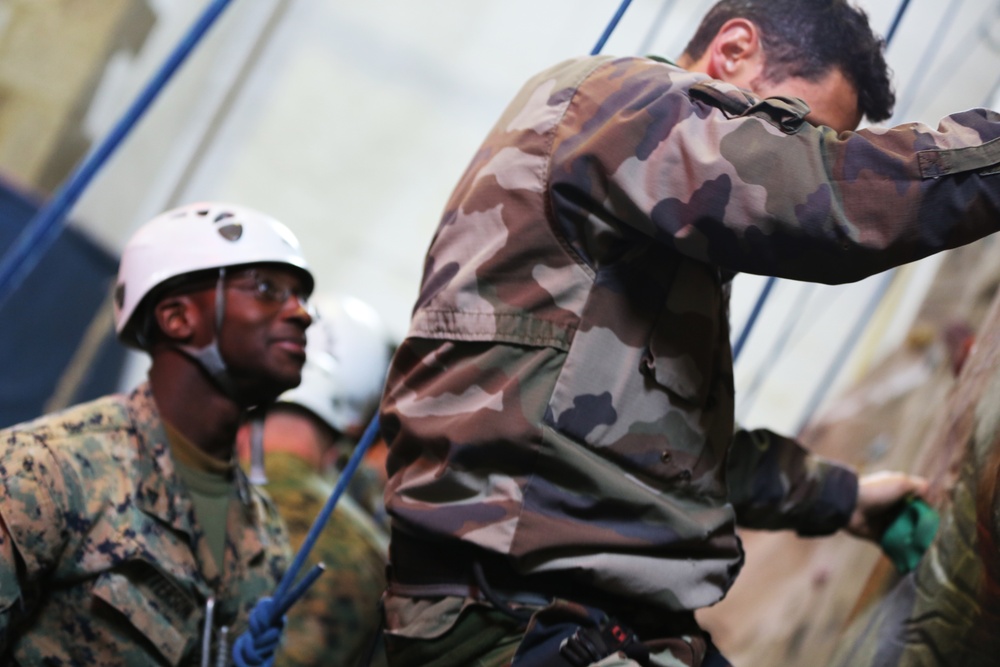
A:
[806,38]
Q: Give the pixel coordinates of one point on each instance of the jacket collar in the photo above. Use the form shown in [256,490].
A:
[161,493]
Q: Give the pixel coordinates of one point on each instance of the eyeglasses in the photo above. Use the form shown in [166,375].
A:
[276,289]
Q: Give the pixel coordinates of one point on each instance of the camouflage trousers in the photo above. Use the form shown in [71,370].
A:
[484,636]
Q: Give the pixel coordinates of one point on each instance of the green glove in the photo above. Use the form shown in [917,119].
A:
[910,534]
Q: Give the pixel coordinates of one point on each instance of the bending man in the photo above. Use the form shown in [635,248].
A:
[564,481]
[129,535]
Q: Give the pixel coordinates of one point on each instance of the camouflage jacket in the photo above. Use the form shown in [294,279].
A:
[101,560]
[336,620]
[564,395]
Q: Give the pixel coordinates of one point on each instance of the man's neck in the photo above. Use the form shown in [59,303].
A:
[195,406]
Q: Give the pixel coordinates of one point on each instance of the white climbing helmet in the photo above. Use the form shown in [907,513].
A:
[196,237]
[347,357]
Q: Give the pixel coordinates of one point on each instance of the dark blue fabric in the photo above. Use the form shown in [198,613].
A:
[715,659]
[43,323]
[548,629]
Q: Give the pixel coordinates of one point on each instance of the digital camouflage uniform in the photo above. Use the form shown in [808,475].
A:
[101,560]
[335,622]
[563,402]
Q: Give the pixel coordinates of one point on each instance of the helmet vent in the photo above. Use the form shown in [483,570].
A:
[231,232]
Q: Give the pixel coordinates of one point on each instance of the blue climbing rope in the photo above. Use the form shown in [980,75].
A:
[245,650]
[752,318]
[789,326]
[371,432]
[897,19]
[839,359]
[257,644]
[36,238]
[769,285]
[610,28]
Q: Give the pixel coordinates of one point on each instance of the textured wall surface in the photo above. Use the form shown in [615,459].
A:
[52,55]
[837,600]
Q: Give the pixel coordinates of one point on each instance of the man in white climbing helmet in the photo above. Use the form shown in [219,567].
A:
[175,250]
[129,536]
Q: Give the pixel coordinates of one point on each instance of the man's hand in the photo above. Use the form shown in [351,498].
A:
[880,497]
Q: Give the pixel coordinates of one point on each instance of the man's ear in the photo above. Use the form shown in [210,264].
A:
[177,317]
[735,54]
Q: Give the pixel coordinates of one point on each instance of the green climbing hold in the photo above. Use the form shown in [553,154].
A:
[910,534]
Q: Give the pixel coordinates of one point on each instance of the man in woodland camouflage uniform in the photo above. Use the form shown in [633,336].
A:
[564,479]
[347,356]
[129,536]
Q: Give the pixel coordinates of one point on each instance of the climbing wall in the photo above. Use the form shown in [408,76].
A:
[932,407]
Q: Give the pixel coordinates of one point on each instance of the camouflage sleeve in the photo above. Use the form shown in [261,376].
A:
[747,184]
[775,483]
[33,493]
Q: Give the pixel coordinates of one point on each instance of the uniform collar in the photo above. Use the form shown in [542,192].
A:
[160,492]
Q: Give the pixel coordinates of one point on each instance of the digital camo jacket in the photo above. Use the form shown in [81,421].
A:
[101,560]
[565,392]
[336,620]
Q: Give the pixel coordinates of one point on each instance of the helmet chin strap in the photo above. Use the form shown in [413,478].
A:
[209,357]
[257,475]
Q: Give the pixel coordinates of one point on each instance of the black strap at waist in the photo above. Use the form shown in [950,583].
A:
[420,567]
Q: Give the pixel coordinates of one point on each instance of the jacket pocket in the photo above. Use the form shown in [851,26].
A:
[639,371]
[155,605]
[684,349]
